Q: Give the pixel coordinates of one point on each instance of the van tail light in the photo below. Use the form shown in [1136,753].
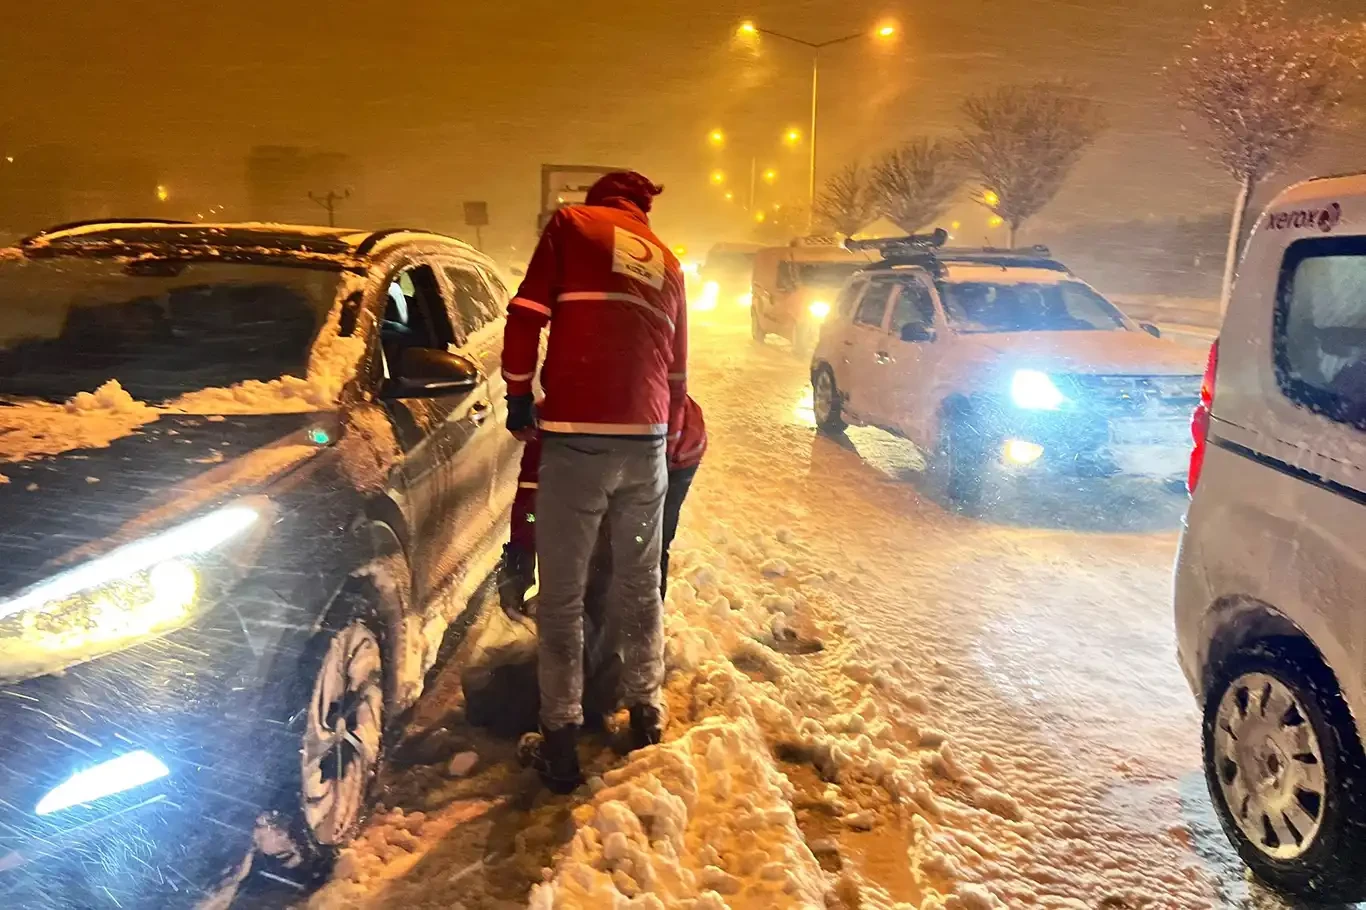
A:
[1200,419]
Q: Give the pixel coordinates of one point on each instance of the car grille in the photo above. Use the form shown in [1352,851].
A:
[1148,397]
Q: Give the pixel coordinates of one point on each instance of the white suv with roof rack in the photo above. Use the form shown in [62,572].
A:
[1270,627]
[1001,358]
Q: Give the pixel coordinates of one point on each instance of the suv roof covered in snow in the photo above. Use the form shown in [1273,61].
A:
[153,238]
[929,252]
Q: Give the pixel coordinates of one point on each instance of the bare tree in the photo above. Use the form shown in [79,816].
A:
[1265,83]
[914,184]
[845,203]
[1021,142]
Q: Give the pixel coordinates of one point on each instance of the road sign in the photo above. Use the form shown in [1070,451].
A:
[477,214]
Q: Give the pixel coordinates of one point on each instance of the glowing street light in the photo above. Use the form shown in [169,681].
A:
[760,216]
[991,198]
[163,192]
[770,176]
[747,29]
[730,197]
[792,136]
[996,221]
[718,177]
[716,138]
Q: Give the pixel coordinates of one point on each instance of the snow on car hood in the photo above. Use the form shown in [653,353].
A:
[83,502]
[1095,353]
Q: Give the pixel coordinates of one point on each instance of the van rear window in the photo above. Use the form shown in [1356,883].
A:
[1320,327]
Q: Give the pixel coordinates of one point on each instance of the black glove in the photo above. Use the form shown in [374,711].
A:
[521,412]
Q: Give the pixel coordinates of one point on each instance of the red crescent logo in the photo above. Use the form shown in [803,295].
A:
[645,247]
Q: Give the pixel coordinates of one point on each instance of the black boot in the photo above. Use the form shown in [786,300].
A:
[516,574]
[646,726]
[556,759]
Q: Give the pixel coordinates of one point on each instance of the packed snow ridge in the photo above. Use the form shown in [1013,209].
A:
[706,820]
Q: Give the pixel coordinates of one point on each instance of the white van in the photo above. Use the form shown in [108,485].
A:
[1271,576]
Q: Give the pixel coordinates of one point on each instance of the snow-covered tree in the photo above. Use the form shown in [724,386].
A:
[845,203]
[1021,141]
[914,184]
[1265,82]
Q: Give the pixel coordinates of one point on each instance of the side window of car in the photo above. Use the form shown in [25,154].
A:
[914,306]
[415,313]
[474,303]
[1320,327]
[849,296]
[873,306]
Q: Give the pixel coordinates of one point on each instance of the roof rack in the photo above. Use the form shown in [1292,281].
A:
[911,244]
[93,222]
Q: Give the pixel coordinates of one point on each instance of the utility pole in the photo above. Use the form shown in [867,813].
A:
[329,201]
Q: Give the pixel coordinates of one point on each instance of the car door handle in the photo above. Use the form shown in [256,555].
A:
[479,411]
[882,357]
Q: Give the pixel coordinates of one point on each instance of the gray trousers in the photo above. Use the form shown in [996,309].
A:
[585,481]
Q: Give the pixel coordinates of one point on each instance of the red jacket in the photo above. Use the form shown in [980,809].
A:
[613,294]
[692,445]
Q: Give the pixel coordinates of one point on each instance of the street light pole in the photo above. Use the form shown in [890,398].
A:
[815,47]
[815,99]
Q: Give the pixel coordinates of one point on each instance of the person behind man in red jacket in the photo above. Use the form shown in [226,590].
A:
[614,379]
[517,571]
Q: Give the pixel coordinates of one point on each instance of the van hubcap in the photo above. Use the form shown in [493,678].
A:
[824,396]
[1270,766]
[342,734]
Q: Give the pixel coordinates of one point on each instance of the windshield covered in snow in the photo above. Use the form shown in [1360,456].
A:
[160,329]
[1068,306]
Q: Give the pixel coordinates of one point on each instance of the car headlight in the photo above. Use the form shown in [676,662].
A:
[711,293]
[819,309]
[135,592]
[745,299]
[1035,391]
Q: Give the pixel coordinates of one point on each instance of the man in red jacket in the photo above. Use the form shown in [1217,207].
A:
[615,384]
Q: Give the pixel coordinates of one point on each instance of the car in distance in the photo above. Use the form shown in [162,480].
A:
[243,468]
[1001,359]
[727,275]
[1270,569]
[794,288]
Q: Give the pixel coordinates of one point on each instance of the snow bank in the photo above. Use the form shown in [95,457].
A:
[707,820]
[702,823]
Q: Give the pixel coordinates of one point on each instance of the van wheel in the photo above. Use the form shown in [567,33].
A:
[959,460]
[826,402]
[1287,774]
[756,328]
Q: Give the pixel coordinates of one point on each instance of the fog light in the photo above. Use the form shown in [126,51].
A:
[114,776]
[1020,452]
[819,309]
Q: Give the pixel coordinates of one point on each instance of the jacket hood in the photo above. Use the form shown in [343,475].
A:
[1115,353]
[624,190]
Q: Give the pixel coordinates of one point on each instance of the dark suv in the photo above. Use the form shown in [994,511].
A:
[249,475]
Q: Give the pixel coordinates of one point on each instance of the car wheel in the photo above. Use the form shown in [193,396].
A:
[756,328]
[958,462]
[826,402]
[1286,773]
[343,731]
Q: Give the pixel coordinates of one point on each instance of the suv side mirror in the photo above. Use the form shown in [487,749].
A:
[1150,329]
[915,332]
[430,373]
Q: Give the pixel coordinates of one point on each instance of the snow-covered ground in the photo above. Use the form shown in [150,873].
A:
[994,717]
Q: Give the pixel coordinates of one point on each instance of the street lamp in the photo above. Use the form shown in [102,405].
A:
[792,136]
[748,29]
[718,177]
[716,138]
[770,176]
